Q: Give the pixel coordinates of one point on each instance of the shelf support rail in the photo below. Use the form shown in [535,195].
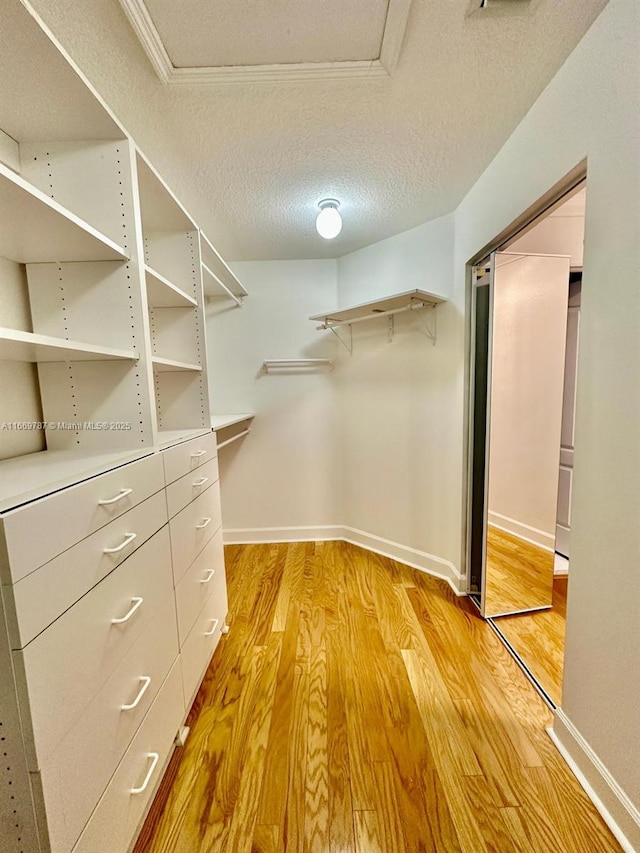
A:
[274,365]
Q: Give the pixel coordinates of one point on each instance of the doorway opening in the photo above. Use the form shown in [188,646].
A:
[525,310]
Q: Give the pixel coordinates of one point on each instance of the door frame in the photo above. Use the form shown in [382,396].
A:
[553,198]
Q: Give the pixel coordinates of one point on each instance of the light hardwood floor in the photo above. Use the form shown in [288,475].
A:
[538,638]
[519,574]
[358,705]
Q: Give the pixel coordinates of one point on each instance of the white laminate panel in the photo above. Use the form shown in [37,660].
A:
[117,817]
[198,584]
[75,775]
[200,645]
[66,665]
[40,597]
[192,485]
[186,457]
[192,528]
[39,531]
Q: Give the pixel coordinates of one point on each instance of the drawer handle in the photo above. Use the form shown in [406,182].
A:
[128,537]
[136,602]
[123,494]
[200,482]
[210,574]
[154,760]
[203,524]
[214,625]
[198,453]
[146,681]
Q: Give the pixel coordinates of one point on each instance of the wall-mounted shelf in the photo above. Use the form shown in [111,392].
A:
[223,421]
[389,306]
[296,365]
[218,279]
[168,365]
[16,345]
[36,229]
[161,293]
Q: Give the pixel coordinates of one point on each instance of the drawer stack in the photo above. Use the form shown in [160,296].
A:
[195,525]
[113,607]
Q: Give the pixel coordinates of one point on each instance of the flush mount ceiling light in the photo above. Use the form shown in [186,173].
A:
[329,221]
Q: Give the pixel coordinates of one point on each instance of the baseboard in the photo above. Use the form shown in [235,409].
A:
[523,531]
[617,810]
[421,560]
[560,566]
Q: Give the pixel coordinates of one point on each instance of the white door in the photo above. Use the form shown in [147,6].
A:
[563,520]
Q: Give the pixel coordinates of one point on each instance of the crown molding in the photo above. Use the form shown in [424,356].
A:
[295,72]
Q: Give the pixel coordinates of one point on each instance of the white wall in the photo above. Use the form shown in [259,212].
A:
[400,453]
[529,333]
[590,109]
[286,473]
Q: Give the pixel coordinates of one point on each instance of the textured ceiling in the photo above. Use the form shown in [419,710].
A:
[251,161]
[255,32]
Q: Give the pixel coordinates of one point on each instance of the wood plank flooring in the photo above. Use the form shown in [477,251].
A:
[358,706]
[538,638]
[519,574]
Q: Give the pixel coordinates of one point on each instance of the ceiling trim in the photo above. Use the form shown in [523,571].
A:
[146,31]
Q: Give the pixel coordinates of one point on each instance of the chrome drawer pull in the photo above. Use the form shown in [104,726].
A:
[210,574]
[136,602]
[128,537]
[154,760]
[200,482]
[213,628]
[146,681]
[123,494]
[198,453]
[203,523]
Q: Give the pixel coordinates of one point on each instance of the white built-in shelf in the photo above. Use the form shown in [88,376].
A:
[161,293]
[27,478]
[48,98]
[410,299]
[168,437]
[168,365]
[16,345]
[218,279]
[160,209]
[36,229]
[223,421]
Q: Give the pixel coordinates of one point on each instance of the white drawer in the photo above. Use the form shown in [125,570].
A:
[39,531]
[43,595]
[76,774]
[192,485]
[67,664]
[186,457]
[117,817]
[204,578]
[201,643]
[192,528]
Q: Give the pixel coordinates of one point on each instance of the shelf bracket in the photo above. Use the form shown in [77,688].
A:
[347,344]
[390,329]
[428,322]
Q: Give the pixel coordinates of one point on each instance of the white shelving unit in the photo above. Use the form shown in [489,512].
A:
[388,306]
[219,422]
[102,363]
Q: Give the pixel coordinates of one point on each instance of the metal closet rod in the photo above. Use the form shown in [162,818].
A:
[296,362]
[329,323]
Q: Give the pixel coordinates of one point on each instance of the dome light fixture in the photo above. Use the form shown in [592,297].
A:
[329,221]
